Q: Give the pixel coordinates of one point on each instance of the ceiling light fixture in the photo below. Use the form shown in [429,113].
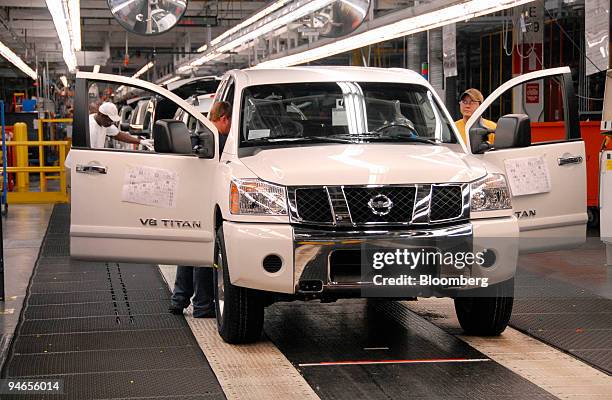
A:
[404,27]
[266,11]
[60,13]
[262,22]
[144,69]
[74,11]
[16,61]
[96,69]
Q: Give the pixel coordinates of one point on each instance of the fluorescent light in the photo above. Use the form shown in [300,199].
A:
[266,11]
[266,26]
[60,14]
[64,80]
[16,61]
[96,69]
[174,79]
[407,26]
[74,9]
[144,69]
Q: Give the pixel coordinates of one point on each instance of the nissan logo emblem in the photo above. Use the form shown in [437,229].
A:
[380,204]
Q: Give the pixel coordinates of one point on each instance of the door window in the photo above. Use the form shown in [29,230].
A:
[104,123]
[548,102]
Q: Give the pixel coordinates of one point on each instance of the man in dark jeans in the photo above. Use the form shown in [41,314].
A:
[198,281]
[190,280]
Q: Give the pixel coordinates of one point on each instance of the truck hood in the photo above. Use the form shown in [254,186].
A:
[363,164]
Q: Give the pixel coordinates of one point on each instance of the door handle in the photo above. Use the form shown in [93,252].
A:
[91,169]
[569,160]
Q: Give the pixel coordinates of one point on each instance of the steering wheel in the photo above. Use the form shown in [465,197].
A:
[407,125]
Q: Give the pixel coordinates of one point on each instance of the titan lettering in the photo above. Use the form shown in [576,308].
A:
[525,213]
[171,223]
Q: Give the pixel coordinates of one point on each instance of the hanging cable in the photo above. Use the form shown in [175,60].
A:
[570,38]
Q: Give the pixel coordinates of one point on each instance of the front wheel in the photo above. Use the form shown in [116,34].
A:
[240,311]
[486,316]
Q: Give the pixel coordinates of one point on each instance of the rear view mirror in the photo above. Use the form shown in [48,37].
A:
[513,130]
[478,140]
[205,144]
[171,136]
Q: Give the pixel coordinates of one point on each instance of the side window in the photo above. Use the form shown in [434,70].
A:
[103,120]
[549,104]
[229,95]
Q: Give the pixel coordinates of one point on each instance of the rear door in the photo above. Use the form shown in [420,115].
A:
[139,206]
[548,178]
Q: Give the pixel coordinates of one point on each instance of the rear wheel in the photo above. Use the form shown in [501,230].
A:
[240,311]
[486,316]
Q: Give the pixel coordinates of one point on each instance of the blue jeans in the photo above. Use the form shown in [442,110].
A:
[196,282]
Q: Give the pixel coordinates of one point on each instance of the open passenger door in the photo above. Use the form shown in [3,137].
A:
[547,179]
[140,206]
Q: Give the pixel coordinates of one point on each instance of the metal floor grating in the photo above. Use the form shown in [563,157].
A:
[348,329]
[568,317]
[104,329]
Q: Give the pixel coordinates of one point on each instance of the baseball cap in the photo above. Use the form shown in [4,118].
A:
[110,110]
[474,94]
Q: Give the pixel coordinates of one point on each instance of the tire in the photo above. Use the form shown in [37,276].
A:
[240,311]
[593,215]
[486,316]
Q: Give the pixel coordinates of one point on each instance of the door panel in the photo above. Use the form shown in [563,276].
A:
[110,221]
[554,219]
[552,216]
[138,206]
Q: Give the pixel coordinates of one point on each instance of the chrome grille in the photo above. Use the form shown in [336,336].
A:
[446,203]
[352,206]
[401,201]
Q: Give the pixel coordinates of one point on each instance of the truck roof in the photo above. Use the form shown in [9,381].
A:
[261,76]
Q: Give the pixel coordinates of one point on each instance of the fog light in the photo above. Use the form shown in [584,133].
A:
[272,263]
[489,257]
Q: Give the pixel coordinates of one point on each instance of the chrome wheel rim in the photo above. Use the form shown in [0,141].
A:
[220,284]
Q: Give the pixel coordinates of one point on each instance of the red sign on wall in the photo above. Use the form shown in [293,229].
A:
[532,93]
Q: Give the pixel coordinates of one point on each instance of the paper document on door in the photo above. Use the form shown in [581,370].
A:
[528,175]
[150,186]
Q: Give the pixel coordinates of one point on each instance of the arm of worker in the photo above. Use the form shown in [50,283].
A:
[127,138]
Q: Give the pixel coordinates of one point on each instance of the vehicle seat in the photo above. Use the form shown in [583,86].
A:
[171,136]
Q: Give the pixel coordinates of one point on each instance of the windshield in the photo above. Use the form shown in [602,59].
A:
[343,112]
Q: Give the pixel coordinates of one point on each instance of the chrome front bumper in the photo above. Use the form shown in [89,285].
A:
[313,250]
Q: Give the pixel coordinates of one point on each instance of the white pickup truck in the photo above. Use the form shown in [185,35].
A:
[324,168]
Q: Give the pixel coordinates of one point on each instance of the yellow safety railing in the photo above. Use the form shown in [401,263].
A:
[22,192]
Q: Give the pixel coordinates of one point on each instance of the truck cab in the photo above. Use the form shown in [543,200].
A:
[334,182]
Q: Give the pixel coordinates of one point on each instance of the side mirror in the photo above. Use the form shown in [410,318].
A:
[513,130]
[478,140]
[171,136]
[124,127]
[204,144]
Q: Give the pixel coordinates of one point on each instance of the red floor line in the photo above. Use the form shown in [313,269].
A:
[374,362]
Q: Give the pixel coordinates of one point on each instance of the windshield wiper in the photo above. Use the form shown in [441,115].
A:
[285,139]
[377,137]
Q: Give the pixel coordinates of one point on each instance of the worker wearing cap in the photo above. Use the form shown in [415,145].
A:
[468,103]
[102,124]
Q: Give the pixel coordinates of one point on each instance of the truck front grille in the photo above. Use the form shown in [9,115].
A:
[353,206]
[400,201]
[446,202]
[313,205]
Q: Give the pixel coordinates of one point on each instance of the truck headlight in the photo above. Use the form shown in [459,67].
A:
[254,196]
[490,193]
